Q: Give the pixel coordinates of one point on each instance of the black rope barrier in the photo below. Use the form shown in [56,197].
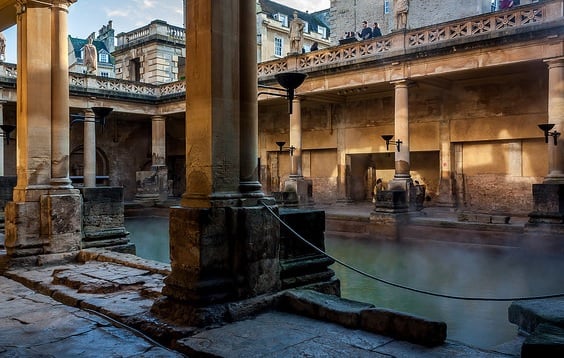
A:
[404,287]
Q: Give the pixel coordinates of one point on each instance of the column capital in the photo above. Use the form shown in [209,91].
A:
[554,62]
[158,118]
[402,83]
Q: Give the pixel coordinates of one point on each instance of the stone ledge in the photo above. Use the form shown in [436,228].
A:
[484,218]
[546,341]
[365,316]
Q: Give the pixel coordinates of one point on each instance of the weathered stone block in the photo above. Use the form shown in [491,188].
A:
[61,222]
[326,307]
[22,229]
[403,326]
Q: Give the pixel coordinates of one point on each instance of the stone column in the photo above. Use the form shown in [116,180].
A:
[248,182]
[298,191]
[401,129]
[402,178]
[222,247]
[158,140]
[212,103]
[60,123]
[556,117]
[89,149]
[296,138]
[45,215]
[159,169]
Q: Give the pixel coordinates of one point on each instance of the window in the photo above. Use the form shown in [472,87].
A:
[104,74]
[278,44]
[104,58]
[282,18]
[323,31]
[306,27]
[386,6]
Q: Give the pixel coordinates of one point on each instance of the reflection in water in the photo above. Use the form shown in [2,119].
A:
[447,268]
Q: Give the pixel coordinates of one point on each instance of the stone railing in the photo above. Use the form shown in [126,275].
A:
[399,42]
[83,83]
[393,44]
[8,70]
[155,29]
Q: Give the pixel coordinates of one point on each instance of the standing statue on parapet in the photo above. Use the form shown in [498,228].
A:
[2,47]
[401,8]
[90,56]
[296,34]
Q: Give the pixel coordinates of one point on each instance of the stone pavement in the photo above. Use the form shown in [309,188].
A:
[35,325]
[55,318]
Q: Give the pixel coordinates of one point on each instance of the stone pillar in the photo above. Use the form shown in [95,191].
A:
[249,184]
[89,148]
[402,177]
[297,190]
[223,246]
[296,138]
[556,117]
[212,103]
[401,129]
[45,214]
[152,185]
[548,198]
[60,123]
[158,141]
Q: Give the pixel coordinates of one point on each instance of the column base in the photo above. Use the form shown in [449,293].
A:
[221,254]
[51,224]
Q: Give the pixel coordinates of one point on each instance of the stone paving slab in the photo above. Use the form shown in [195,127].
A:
[34,325]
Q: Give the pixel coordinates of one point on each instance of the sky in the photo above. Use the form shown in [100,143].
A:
[87,16]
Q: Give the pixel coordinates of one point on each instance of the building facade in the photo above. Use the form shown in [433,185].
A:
[347,15]
[273,20]
[155,53]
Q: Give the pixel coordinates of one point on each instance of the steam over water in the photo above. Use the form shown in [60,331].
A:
[445,268]
[448,269]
